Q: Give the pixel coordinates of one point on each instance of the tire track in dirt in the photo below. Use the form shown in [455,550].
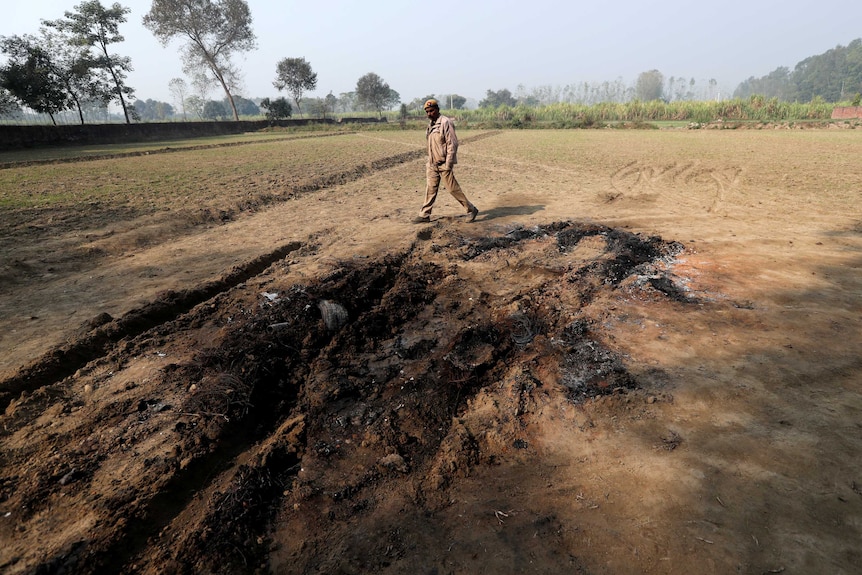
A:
[65,360]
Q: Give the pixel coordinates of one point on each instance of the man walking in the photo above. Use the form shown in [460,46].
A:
[442,156]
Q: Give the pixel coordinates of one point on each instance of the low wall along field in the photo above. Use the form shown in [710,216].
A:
[16,137]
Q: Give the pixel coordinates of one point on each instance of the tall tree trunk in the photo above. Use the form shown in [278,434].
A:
[120,94]
[232,104]
[226,91]
[116,81]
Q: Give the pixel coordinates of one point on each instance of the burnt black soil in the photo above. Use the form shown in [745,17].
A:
[312,396]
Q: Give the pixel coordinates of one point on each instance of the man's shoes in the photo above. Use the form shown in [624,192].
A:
[422,219]
[471,215]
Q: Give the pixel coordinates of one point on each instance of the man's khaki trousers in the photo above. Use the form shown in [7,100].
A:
[433,175]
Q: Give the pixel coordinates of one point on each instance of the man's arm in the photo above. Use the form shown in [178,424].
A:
[451,143]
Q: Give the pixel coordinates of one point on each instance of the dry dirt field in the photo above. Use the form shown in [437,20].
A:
[643,357]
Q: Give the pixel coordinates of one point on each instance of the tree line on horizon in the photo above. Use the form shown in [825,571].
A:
[834,76]
[69,67]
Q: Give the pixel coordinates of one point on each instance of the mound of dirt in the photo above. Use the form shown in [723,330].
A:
[330,425]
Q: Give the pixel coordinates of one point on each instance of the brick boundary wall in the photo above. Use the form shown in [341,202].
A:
[18,137]
[847,113]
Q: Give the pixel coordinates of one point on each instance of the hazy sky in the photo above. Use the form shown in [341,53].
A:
[468,47]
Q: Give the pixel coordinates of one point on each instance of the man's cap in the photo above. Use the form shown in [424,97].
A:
[432,103]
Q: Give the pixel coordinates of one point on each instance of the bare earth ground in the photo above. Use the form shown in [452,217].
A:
[643,357]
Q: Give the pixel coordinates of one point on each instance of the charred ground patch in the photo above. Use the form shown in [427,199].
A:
[302,405]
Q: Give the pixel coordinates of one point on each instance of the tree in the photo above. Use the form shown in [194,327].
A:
[202,85]
[214,110]
[546,95]
[164,110]
[649,86]
[62,66]
[525,99]
[29,77]
[852,69]
[195,105]
[179,89]
[329,103]
[372,92]
[215,30]
[8,104]
[418,103]
[295,76]
[833,75]
[347,101]
[321,107]
[244,106]
[713,89]
[152,110]
[95,26]
[776,84]
[276,109]
[495,99]
[73,66]
[456,102]
[393,98]
[142,109]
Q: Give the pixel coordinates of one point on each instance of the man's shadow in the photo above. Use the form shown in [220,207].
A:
[505,211]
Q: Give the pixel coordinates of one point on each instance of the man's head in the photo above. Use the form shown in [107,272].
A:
[432,109]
